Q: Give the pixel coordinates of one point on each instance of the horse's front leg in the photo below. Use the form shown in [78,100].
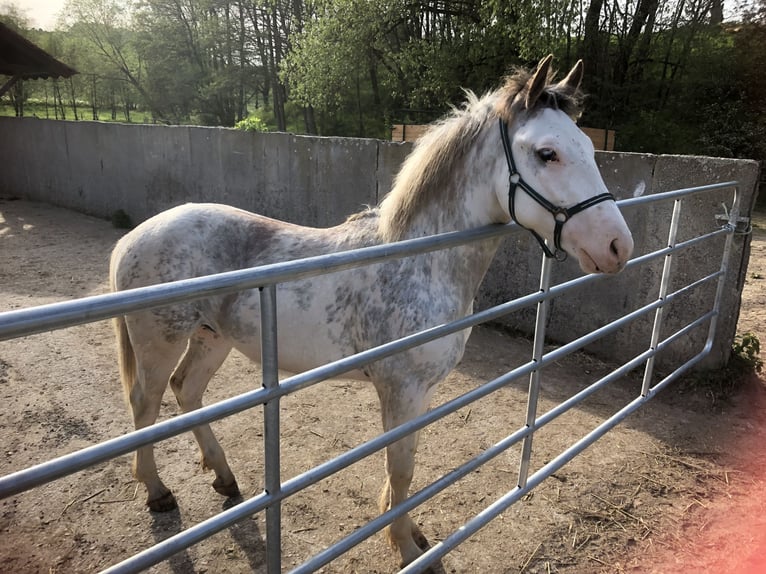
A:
[398,405]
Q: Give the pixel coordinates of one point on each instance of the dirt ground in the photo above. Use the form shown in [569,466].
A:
[679,487]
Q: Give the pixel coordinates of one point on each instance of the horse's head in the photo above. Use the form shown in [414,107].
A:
[556,190]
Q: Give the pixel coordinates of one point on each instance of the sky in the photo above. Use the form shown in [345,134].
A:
[41,13]
[44,13]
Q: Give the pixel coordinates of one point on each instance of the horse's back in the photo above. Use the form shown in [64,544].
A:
[190,240]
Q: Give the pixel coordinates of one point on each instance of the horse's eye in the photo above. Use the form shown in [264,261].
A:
[546,154]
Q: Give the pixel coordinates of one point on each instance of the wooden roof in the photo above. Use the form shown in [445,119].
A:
[22,59]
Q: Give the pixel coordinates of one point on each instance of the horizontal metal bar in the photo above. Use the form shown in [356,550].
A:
[217,523]
[445,481]
[675,194]
[192,535]
[491,512]
[45,472]
[67,464]
[56,315]
[434,488]
[61,466]
[42,318]
[412,502]
[27,321]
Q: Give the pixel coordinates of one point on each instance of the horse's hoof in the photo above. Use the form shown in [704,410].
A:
[420,540]
[229,490]
[164,503]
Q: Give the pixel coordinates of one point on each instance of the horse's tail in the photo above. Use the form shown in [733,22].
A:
[126,357]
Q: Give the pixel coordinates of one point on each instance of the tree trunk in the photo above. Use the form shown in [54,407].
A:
[645,10]
[716,12]
[93,102]
[74,101]
[275,56]
[309,120]
[57,98]
[591,38]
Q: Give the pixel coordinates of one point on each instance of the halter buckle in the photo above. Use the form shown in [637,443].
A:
[562,212]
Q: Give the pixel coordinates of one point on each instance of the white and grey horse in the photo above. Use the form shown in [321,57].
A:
[513,154]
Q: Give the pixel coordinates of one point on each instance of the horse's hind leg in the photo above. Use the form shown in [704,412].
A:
[154,363]
[206,352]
[397,408]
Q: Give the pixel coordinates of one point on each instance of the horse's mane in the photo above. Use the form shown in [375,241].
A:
[429,171]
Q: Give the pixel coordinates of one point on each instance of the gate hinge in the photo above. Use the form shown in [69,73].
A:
[741,227]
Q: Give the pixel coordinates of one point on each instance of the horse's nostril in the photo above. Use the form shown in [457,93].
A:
[613,248]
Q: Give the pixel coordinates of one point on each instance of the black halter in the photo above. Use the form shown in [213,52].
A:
[560,214]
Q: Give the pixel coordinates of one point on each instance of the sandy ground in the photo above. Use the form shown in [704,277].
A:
[679,487]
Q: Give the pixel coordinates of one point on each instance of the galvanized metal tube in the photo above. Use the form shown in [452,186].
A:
[189,537]
[675,194]
[664,283]
[415,500]
[500,505]
[299,383]
[538,345]
[203,530]
[256,504]
[731,226]
[40,474]
[272,471]
[67,464]
[23,322]
[42,318]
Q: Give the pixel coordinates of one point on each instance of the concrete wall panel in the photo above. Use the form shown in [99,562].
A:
[97,168]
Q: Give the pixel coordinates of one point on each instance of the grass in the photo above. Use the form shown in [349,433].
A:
[84,113]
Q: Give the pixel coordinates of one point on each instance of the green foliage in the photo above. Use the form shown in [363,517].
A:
[747,350]
[721,384]
[659,74]
[252,124]
[121,220]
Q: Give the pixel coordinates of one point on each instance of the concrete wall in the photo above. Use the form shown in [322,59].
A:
[97,168]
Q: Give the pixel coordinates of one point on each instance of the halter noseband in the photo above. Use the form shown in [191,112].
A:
[560,214]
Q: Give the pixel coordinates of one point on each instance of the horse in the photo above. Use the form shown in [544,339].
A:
[514,154]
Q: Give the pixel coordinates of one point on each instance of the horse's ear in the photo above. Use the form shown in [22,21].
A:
[538,81]
[573,79]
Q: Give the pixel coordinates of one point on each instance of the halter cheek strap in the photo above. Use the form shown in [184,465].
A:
[560,214]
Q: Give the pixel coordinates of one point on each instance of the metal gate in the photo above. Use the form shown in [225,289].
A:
[38,319]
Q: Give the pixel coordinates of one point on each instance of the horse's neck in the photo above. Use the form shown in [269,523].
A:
[468,204]
[467,267]
[464,266]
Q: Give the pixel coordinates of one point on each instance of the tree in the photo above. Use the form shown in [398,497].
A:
[669,77]
[106,25]
[374,61]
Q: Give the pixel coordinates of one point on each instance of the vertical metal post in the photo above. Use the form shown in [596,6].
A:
[664,284]
[272,478]
[534,377]
[733,220]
